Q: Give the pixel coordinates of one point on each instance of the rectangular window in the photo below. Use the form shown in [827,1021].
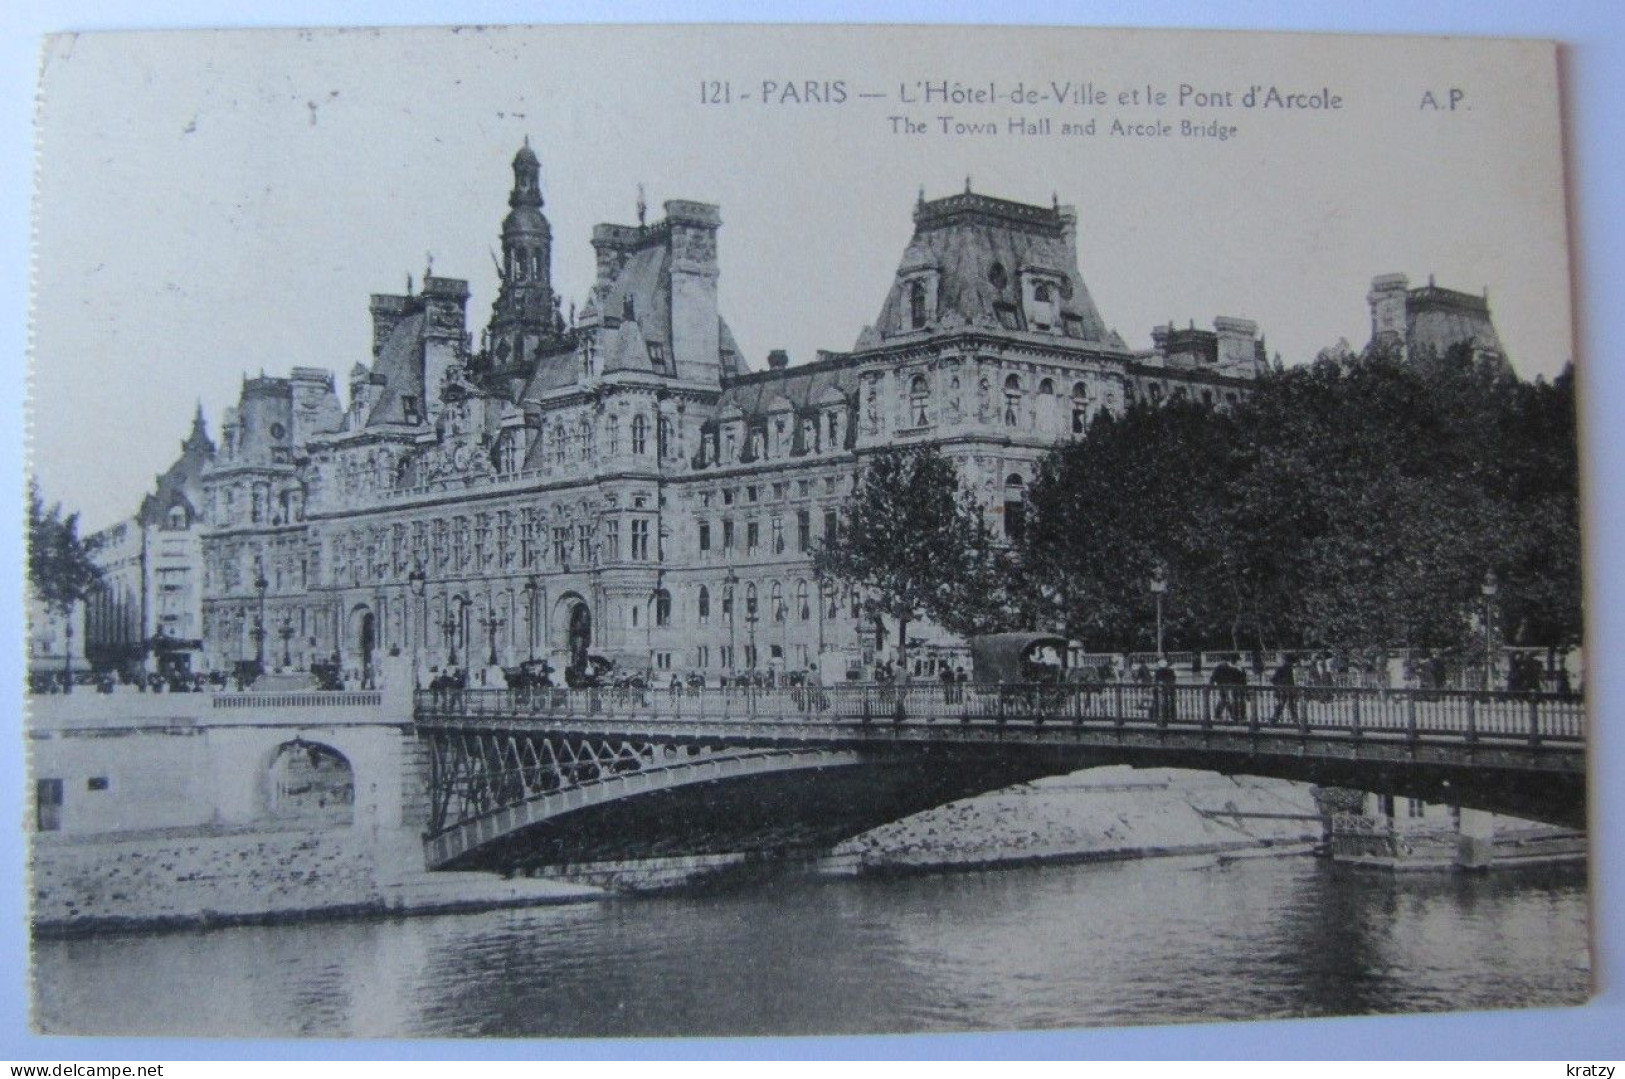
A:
[612,540]
[727,535]
[702,657]
[753,535]
[48,805]
[778,535]
[705,535]
[640,541]
[96,783]
[803,530]
[662,661]
[561,544]
[1415,807]
[831,525]
[583,544]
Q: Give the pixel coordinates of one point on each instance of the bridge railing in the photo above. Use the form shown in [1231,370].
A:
[1454,715]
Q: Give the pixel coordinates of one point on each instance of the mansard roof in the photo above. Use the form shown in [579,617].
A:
[182,482]
[400,365]
[1439,318]
[980,246]
[806,387]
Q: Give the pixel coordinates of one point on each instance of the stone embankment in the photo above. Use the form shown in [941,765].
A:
[195,878]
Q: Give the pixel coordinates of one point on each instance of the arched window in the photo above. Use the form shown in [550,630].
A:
[778,602]
[1015,520]
[832,600]
[664,437]
[516,266]
[662,608]
[750,601]
[916,305]
[510,453]
[536,264]
[640,434]
[1012,401]
[1046,387]
[1080,408]
[1042,292]
[919,398]
[802,606]
[705,604]
[177,517]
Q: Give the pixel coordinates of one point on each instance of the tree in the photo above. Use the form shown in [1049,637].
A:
[60,569]
[914,541]
[1141,491]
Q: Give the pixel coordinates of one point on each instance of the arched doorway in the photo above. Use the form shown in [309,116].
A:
[367,642]
[578,637]
[310,783]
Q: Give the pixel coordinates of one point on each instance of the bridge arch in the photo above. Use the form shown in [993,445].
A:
[308,782]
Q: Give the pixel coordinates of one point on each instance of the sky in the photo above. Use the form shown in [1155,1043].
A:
[217,204]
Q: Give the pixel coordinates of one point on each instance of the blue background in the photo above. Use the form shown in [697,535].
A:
[1594,89]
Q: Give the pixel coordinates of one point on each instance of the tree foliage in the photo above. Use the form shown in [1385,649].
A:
[1354,502]
[60,568]
[917,545]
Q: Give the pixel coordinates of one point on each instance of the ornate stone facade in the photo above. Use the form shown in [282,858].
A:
[617,479]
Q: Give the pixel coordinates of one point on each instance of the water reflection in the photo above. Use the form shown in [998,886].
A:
[1135,942]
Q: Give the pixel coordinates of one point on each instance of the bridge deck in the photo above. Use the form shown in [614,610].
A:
[1417,717]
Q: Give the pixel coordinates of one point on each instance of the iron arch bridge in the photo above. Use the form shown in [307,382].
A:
[522,778]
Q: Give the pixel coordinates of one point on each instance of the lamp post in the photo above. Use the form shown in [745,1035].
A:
[1159,585]
[448,625]
[1489,588]
[286,632]
[416,583]
[531,589]
[67,650]
[492,623]
[260,585]
[730,583]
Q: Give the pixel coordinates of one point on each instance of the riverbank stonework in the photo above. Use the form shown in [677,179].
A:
[196,879]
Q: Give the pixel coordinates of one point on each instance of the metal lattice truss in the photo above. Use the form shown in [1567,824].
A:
[474,773]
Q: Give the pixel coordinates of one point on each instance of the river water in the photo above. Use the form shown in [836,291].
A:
[1130,942]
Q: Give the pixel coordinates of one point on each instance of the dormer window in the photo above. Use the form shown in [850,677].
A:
[916,305]
[177,518]
[1041,298]
[629,309]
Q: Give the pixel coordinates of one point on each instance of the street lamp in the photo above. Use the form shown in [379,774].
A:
[492,623]
[287,641]
[416,583]
[260,585]
[1489,588]
[731,583]
[448,625]
[751,618]
[1159,585]
[531,589]
[67,650]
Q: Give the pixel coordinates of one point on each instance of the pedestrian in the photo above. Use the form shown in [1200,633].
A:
[1285,681]
[1230,682]
[1163,694]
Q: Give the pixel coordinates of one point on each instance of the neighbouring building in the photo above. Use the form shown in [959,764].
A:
[146,615]
[617,479]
